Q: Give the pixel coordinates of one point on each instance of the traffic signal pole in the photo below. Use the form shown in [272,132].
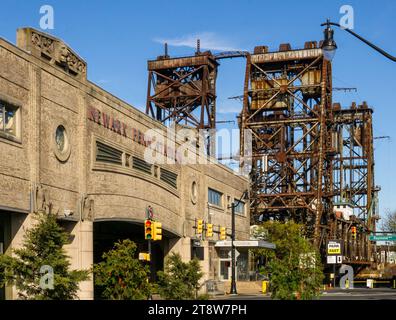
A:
[233,281]
[334,274]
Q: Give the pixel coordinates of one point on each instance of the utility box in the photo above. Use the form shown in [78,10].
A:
[265,286]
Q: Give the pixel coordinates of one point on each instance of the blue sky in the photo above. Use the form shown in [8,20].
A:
[116,38]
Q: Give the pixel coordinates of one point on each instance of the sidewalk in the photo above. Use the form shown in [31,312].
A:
[241,296]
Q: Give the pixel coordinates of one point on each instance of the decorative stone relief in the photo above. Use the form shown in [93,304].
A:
[53,50]
[87,212]
[64,56]
[44,44]
[41,199]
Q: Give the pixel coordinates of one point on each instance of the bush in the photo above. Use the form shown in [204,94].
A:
[42,247]
[204,296]
[294,267]
[179,280]
[121,276]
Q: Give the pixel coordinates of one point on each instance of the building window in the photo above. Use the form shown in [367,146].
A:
[214,197]
[240,208]
[61,143]
[61,138]
[197,251]
[107,154]
[169,177]
[194,192]
[9,120]
[141,165]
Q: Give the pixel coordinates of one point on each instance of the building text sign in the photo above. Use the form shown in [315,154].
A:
[111,123]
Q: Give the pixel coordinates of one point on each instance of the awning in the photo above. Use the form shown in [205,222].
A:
[248,244]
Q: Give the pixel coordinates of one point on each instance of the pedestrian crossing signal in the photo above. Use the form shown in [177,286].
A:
[157,231]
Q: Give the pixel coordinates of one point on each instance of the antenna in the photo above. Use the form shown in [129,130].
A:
[166,49]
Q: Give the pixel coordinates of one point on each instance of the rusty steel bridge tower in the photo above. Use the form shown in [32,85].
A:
[306,153]
[310,157]
[182,90]
[353,167]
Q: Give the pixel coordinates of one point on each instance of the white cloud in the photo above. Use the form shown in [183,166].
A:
[209,41]
[229,109]
[228,106]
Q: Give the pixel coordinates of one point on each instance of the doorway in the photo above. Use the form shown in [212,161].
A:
[107,233]
[225,269]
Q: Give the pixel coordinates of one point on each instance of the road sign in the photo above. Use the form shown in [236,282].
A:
[334,259]
[331,259]
[391,237]
[143,256]
[236,254]
[334,247]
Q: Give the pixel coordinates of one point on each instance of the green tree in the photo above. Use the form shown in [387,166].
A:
[294,267]
[180,280]
[42,247]
[121,276]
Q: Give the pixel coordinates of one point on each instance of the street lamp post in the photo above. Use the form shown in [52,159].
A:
[233,281]
[329,45]
[233,262]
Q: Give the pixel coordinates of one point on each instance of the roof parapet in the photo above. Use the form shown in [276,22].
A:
[52,50]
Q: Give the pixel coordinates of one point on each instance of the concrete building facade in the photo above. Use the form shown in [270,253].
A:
[68,147]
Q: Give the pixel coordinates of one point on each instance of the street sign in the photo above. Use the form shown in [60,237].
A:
[334,247]
[334,259]
[331,259]
[236,254]
[391,237]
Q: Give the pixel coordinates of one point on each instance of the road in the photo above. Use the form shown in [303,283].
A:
[336,294]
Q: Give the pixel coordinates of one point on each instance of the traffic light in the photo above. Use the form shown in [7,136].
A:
[157,231]
[199,226]
[353,230]
[223,235]
[148,230]
[209,230]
